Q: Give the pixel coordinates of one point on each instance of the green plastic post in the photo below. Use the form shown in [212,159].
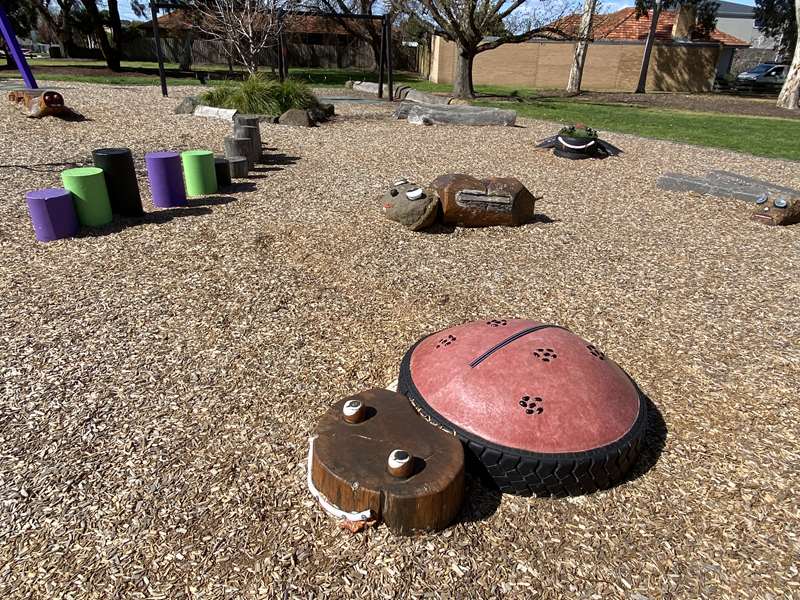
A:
[199,172]
[89,192]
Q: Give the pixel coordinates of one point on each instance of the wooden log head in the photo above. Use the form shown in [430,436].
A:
[779,210]
[391,462]
[409,204]
[471,202]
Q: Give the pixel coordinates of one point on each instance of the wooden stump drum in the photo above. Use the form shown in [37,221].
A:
[544,411]
[374,457]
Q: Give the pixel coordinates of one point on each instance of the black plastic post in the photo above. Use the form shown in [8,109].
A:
[157,35]
[120,176]
[383,57]
[389,66]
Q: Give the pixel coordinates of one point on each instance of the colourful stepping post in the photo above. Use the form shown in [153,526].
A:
[199,172]
[53,214]
[166,179]
[88,187]
[120,175]
[223,171]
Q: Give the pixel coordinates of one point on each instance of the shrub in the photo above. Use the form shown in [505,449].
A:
[258,95]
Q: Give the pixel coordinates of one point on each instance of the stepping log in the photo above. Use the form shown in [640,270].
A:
[166,179]
[223,170]
[455,114]
[254,134]
[120,176]
[239,146]
[52,213]
[238,166]
[373,455]
[199,173]
[89,191]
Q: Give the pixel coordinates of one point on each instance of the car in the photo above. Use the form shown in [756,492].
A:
[765,75]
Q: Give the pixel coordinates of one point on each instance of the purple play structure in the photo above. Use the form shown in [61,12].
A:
[16,51]
[165,172]
[53,214]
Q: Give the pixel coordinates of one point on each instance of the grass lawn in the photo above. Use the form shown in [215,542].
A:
[761,136]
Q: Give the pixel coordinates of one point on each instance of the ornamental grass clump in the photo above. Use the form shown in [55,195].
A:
[258,95]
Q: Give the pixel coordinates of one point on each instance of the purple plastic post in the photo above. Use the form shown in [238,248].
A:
[53,214]
[165,173]
[16,51]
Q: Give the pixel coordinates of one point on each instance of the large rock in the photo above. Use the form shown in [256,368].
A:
[471,202]
[426,98]
[409,204]
[296,117]
[187,105]
[321,112]
[431,114]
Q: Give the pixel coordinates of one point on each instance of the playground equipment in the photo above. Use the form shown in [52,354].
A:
[120,176]
[199,172]
[88,187]
[39,103]
[166,179]
[372,457]
[222,168]
[16,52]
[544,411]
[578,142]
[460,200]
[52,213]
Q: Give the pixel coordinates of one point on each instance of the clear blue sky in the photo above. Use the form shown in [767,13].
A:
[608,6]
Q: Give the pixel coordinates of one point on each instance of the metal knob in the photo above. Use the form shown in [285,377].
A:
[353,411]
[400,464]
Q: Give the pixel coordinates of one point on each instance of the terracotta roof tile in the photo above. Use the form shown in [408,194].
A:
[623,25]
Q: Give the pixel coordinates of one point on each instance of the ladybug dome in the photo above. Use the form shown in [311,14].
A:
[544,410]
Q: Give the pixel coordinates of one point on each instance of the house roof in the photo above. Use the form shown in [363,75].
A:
[732,9]
[623,25]
[179,20]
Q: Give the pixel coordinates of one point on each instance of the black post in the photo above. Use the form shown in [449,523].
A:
[383,57]
[389,68]
[157,35]
[284,56]
[280,57]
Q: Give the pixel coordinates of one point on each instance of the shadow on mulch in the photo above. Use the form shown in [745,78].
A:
[481,500]
[440,228]
[195,208]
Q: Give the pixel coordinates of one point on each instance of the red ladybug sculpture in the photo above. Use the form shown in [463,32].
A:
[543,410]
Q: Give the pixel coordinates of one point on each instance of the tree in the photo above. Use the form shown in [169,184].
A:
[245,27]
[790,93]
[23,19]
[703,14]
[584,33]
[368,31]
[468,22]
[111,52]
[778,19]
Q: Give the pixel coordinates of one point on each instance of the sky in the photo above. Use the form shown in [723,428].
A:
[125,11]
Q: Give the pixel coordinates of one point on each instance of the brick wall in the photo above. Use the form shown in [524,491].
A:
[610,66]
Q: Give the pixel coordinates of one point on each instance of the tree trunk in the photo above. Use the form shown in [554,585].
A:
[109,53]
[576,73]
[790,93]
[648,47]
[116,33]
[462,81]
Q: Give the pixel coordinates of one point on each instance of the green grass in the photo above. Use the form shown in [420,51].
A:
[761,136]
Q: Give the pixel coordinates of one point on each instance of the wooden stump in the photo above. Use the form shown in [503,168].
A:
[252,132]
[239,146]
[238,166]
[352,463]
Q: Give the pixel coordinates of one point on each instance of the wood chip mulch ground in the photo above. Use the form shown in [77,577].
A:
[160,377]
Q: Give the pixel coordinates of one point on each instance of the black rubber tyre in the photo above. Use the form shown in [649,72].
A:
[574,154]
[526,473]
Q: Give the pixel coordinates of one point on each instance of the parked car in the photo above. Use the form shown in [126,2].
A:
[763,76]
